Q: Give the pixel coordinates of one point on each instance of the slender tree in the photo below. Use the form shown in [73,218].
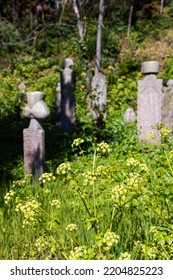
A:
[161,6]
[79,21]
[130,17]
[99,37]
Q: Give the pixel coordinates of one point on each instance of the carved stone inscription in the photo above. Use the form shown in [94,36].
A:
[34,151]
[150,96]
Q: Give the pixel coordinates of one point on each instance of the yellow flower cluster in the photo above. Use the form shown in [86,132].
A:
[100,170]
[110,239]
[82,87]
[103,148]
[165,132]
[71,227]
[125,256]
[77,142]
[137,244]
[30,211]
[41,244]
[81,253]
[23,182]
[153,229]
[89,178]
[136,163]
[149,252]
[134,179]
[120,86]
[55,203]
[46,177]
[46,191]
[110,67]
[132,162]
[9,196]
[119,193]
[83,74]
[63,168]
[151,135]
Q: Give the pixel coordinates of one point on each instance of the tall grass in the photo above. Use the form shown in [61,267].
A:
[101,205]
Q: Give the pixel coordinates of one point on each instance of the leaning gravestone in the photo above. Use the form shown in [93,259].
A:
[150,94]
[99,96]
[34,137]
[68,96]
[167,105]
[58,104]
[129,115]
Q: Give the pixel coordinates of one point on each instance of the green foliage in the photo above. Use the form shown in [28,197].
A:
[122,95]
[110,196]
[9,36]
[102,205]
[168,68]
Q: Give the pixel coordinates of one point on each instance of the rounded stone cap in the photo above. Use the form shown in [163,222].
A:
[34,96]
[170,83]
[150,67]
[68,62]
[36,107]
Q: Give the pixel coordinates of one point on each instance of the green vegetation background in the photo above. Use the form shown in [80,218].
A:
[109,196]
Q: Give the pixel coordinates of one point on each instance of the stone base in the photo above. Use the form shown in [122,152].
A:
[34,151]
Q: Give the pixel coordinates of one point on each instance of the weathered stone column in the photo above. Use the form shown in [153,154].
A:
[99,97]
[34,137]
[58,104]
[167,105]
[68,96]
[150,94]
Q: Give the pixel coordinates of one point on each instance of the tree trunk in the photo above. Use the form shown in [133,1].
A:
[130,18]
[79,22]
[99,37]
[161,6]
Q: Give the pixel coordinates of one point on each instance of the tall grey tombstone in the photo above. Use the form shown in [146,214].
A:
[150,94]
[68,96]
[129,115]
[58,104]
[167,105]
[33,136]
[99,96]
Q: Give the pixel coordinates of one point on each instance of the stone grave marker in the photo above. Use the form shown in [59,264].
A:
[99,96]
[167,105]
[150,94]
[129,115]
[68,96]
[58,104]
[33,136]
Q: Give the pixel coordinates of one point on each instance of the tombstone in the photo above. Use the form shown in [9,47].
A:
[129,116]
[150,94]
[99,96]
[22,87]
[68,96]
[34,137]
[167,105]
[58,104]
